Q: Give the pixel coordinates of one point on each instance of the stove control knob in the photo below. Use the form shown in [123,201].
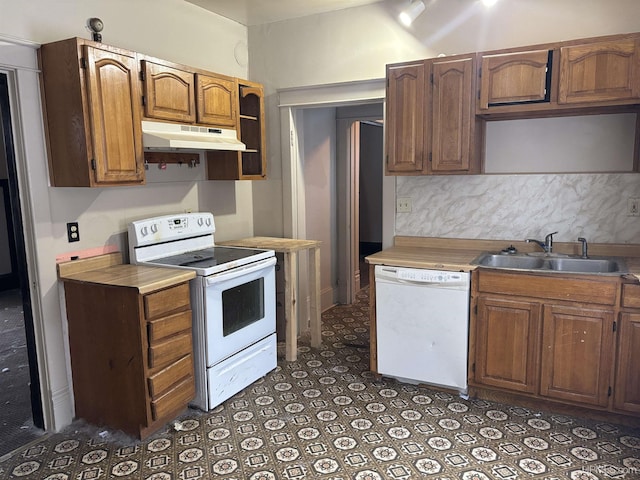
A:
[208,222]
[154,228]
[144,231]
[199,221]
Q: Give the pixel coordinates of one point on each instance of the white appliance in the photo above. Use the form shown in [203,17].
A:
[422,325]
[233,299]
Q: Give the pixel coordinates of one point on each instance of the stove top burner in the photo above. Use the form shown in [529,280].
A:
[208,257]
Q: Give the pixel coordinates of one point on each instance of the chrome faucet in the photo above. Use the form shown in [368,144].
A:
[584,247]
[547,245]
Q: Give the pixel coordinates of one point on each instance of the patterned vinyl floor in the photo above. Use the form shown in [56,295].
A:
[326,417]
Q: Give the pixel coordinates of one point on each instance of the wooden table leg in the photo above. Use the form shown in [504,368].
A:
[314,287]
[290,306]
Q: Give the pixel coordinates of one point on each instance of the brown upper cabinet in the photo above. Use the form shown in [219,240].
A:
[169,92]
[176,93]
[507,78]
[216,100]
[436,109]
[405,119]
[92,114]
[600,72]
[430,124]
[451,131]
[250,164]
[95,97]
[586,76]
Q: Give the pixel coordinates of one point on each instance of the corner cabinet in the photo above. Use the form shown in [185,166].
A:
[250,164]
[430,118]
[92,112]
[131,350]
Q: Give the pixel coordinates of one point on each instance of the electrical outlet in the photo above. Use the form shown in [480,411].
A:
[633,207]
[73,233]
[403,205]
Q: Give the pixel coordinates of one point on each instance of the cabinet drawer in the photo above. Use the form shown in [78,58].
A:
[160,382]
[166,326]
[168,300]
[179,396]
[168,351]
[573,289]
[631,296]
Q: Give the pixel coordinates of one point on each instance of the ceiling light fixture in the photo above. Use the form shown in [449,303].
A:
[489,3]
[412,12]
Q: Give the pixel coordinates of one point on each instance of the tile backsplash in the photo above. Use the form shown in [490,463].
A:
[514,207]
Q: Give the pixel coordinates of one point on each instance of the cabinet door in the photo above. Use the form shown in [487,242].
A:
[452,116]
[405,117]
[250,164]
[600,72]
[507,346]
[627,388]
[577,350]
[514,78]
[114,115]
[217,100]
[169,93]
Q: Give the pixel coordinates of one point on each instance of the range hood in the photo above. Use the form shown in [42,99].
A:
[171,136]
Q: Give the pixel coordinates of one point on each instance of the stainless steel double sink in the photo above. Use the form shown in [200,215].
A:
[552,262]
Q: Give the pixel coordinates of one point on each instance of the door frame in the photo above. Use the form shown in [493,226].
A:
[18,61]
[292,102]
[19,233]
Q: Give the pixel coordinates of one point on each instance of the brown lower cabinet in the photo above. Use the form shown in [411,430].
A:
[627,396]
[131,354]
[563,338]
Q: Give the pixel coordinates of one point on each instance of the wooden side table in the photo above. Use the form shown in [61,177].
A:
[290,248]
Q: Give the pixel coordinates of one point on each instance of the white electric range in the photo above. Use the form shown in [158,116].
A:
[232,296]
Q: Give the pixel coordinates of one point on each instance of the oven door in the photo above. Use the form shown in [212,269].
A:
[239,308]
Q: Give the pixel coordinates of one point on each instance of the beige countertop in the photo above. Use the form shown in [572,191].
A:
[273,243]
[457,254]
[109,270]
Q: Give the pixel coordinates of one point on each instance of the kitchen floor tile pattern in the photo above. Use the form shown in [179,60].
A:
[16,421]
[326,417]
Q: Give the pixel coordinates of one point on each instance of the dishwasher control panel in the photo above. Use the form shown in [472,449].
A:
[430,276]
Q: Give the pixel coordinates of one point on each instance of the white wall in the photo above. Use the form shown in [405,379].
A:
[170,29]
[355,44]
[319,170]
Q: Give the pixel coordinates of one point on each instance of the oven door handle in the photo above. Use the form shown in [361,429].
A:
[239,271]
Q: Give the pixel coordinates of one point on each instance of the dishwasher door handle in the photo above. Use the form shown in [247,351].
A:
[402,281]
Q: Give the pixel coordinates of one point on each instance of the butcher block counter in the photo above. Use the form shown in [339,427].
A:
[130,342]
[109,270]
[458,254]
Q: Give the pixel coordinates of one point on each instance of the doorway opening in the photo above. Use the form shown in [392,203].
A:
[371,172]
[21,415]
[359,194]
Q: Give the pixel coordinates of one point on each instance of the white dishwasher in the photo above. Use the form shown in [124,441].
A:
[422,325]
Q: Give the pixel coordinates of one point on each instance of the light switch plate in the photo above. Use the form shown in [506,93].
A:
[403,205]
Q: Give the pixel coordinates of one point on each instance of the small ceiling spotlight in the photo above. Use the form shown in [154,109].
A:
[412,12]
[489,3]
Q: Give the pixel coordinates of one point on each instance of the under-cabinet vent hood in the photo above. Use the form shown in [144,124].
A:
[169,136]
